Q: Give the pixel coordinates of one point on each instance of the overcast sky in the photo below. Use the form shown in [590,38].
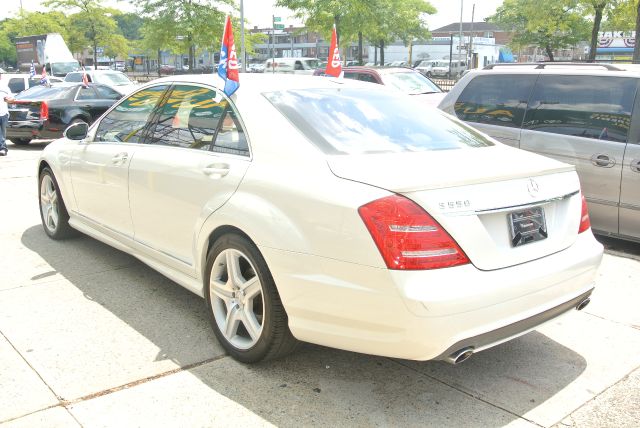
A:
[259,12]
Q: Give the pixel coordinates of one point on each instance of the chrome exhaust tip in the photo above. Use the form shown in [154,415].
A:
[459,356]
[583,304]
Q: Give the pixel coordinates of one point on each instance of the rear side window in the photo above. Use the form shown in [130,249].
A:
[583,106]
[496,99]
[127,121]
[106,93]
[359,120]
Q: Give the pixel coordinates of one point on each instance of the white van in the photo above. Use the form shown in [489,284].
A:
[291,65]
[440,68]
[18,82]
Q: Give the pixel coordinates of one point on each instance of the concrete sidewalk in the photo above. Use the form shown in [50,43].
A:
[91,337]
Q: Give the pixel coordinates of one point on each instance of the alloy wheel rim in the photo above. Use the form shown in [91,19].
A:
[49,204]
[236,298]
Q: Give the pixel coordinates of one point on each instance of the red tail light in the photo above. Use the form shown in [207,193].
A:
[407,237]
[585,223]
[44,111]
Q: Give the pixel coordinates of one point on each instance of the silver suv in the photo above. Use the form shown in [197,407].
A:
[584,114]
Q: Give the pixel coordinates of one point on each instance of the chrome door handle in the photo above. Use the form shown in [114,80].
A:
[120,158]
[635,165]
[216,170]
[602,160]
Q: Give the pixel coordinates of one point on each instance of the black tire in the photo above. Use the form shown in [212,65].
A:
[59,229]
[429,74]
[21,141]
[274,340]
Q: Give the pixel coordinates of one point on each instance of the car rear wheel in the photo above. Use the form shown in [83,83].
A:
[245,309]
[21,141]
[53,212]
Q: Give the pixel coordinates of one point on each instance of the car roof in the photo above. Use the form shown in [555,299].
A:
[579,69]
[265,82]
[96,72]
[378,69]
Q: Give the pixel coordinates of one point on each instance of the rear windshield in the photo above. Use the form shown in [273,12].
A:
[73,77]
[410,83]
[45,93]
[359,120]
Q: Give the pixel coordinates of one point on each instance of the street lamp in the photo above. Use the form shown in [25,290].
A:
[244,53]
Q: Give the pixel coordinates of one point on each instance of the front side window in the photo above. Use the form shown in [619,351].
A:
[583,106]
[496,99]
[106,93]
[198,118]
[359,121]
[88,93]
[127,121]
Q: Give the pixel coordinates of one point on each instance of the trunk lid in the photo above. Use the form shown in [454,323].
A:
[21,110]
[483,197]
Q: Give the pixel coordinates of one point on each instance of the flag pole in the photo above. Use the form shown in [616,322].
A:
[244,52]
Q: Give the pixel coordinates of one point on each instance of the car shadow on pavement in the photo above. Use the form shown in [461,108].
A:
[316,385]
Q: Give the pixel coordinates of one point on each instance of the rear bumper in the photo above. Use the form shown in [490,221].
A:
[425,315]
[32,129]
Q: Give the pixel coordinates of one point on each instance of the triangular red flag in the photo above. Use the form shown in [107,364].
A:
[334,65]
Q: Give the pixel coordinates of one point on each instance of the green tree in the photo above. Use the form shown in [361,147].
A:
[379,20]
[597,9]
[96,23]
[129,25]
[399,19]
[622,17]
[187,23]
[28,24]
[548,24]
[32,23]
[7,49]
[636,51]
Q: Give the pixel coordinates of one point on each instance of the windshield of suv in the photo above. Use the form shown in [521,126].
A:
[359,120]
[113,79]
[62,68]
[410,83]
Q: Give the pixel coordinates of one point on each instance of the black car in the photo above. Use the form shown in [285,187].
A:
[43,112]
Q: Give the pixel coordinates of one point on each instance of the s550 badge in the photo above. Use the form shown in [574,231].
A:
[455,205]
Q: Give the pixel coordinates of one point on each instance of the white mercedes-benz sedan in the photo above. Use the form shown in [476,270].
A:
[327,211]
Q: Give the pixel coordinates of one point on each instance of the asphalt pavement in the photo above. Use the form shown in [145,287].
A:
[90,336]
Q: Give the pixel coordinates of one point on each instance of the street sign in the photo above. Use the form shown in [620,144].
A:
[277,19]
[278,26]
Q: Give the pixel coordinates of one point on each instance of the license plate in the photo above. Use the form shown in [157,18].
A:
[527,226]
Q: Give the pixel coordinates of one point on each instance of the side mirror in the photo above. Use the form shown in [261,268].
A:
[76,131]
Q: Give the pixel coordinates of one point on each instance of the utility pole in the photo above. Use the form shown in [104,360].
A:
[244,52]
[470,50]
[273,43]
[459,36]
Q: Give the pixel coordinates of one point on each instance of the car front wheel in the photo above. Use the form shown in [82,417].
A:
[246,312]
[53,212]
